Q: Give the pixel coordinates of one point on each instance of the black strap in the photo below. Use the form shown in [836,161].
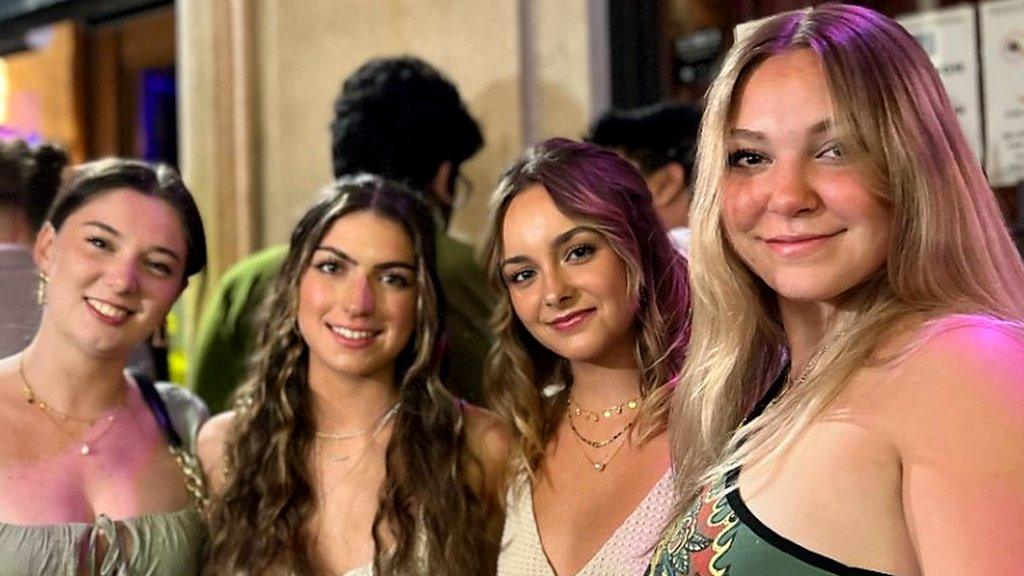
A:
[157,406]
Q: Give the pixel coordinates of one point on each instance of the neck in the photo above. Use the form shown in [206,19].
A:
[14,228]
[342,402]
[805,324]
[676,214]
[595,386]
[71,382]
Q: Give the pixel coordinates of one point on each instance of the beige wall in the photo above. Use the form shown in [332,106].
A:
[259,77]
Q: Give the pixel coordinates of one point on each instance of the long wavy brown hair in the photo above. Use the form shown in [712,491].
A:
[597,187]
[439,524]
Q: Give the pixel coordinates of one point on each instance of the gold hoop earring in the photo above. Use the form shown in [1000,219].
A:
[44,280]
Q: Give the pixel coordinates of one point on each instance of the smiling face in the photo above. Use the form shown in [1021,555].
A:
[568,287]
[798,201]
[115,267]
[357,299]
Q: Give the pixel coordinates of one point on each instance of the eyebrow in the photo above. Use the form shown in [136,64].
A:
[340,254]
[114,232]
[819,128]
[556,242]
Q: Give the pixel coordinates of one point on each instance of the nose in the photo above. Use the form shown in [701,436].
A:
[123,277]
[792,193]
[359,299]
[557,291]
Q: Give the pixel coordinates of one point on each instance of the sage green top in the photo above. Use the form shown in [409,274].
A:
[167,544]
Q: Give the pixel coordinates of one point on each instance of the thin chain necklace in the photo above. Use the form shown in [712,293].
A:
[614,410]
[61,418]
[598,443]
[377,426]
[597,464]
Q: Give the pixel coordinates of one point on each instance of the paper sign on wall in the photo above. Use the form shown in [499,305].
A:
[1002,49]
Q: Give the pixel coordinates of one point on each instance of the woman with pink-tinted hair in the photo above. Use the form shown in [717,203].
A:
[592,325]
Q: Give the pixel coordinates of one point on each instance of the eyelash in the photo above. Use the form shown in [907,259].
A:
[735,158]
[392,279]
[576,254]
[97,242]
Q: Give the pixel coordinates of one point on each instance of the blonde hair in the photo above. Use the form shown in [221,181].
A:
[950,251]
[595,186]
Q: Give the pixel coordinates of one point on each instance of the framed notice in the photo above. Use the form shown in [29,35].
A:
[1002,49]
[949,37]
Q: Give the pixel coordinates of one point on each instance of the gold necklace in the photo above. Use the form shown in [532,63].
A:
[614,410]
[599,465]
[598,443]
[61,418]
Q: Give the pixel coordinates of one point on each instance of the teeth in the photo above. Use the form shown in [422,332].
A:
[353,334]
[112,312]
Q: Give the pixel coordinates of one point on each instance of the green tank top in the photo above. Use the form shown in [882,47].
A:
[719,536]
[167,544]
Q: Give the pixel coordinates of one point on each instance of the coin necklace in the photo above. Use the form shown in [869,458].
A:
[614,410]
[372,430]
[60,418]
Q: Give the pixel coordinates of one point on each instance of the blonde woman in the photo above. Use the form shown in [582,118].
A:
[840,216]
[592,323]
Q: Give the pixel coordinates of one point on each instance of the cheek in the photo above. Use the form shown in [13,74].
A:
[740,208]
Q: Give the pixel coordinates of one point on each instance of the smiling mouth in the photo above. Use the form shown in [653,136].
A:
[111,313]
[798,243]
[571,320]
[352,334]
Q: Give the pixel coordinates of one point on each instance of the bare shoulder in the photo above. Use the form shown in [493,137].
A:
[954,404]
[489,440]
[210,447]
[974,360]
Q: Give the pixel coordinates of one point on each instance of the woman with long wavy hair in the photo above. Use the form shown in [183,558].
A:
[842,221]
[591,325]
[345,454]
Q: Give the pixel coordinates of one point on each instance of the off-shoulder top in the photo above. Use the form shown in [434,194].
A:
[168,544]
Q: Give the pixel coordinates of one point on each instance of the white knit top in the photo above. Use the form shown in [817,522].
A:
[626,553]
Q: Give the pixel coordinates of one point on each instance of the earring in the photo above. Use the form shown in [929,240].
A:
[41,289]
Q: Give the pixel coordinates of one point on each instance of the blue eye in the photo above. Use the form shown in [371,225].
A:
[746,159]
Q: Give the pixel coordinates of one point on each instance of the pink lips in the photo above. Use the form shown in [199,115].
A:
[109,320]
[571,320]
[798,244]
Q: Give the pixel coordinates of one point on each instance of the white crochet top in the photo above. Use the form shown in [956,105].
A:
[626,553]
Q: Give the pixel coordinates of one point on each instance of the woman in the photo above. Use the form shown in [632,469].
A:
[591,327]
[89,484]
[841,215]
[345,453]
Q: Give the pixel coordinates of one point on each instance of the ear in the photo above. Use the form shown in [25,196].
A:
[42,252]
[666,183]
[440,186]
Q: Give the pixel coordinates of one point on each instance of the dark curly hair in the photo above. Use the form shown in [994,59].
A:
[401,119]
[651,136]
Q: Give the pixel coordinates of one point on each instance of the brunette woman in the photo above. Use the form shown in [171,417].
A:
[591,325]
[345,453]
[89,485]
[841,216]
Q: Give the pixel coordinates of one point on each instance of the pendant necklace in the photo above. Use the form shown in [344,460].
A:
[61,419]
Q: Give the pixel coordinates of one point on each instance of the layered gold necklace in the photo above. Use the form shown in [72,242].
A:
[620,437]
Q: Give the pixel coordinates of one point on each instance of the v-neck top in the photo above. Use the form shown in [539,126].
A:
[626,553]
[166,544]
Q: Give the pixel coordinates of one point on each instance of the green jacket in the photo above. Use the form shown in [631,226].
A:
[226,337]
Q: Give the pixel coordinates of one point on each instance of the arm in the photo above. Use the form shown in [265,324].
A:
[960,436]
[488,440]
